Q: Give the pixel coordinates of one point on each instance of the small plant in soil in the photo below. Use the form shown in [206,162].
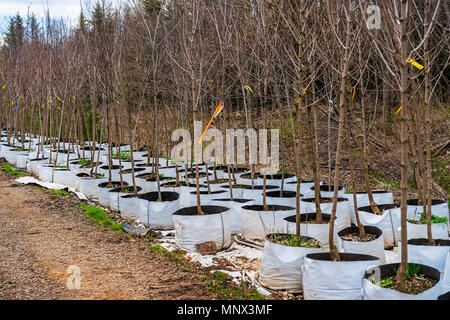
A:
[60,166]
[83,161]
[124,155]
[355,236]
[423,219]
[416,282]
[291,240]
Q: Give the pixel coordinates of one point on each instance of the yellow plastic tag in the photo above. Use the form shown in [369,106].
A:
[248,87]
[415,64]
[398,110]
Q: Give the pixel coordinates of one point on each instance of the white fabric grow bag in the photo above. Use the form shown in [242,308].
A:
[65,177]
[283,201]
[276,182]
[104,196]
[192,230]
[281,266]
[433,256]
[305,188]
[34,166]
[22,160]
[362,200]
[388,222]
[329,194]
[235,212]
[373,292]
[438,209]
[257,224]
[206,199]
[158,215]
[12,157]
[416,231]
[318,231]
[373,248]
[46,173]
[342,209]
[4,152]
[446,276]
[89,187]
[129,207]
[328,280]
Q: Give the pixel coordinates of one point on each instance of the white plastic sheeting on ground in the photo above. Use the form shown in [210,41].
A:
[281,266]
[196,229]
[48,185]
[328,280]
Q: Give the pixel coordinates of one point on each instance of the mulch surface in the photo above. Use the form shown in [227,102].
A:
[42,234]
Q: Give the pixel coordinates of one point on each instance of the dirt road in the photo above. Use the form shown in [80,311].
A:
[42,234]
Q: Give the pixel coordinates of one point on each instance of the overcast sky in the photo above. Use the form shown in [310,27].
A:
[68,9]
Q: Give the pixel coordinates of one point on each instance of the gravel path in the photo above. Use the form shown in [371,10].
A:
[42,234]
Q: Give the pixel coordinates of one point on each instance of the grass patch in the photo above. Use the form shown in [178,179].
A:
[174,256]
[9,169]
[61,193]
[222,284]
[83,161]
[100,217]
[124,155]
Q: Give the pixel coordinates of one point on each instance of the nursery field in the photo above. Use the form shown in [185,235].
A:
[238,149]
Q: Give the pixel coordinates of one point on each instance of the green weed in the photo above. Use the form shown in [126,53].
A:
[100,216]
[222,283]
[62,192]
[9,169]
